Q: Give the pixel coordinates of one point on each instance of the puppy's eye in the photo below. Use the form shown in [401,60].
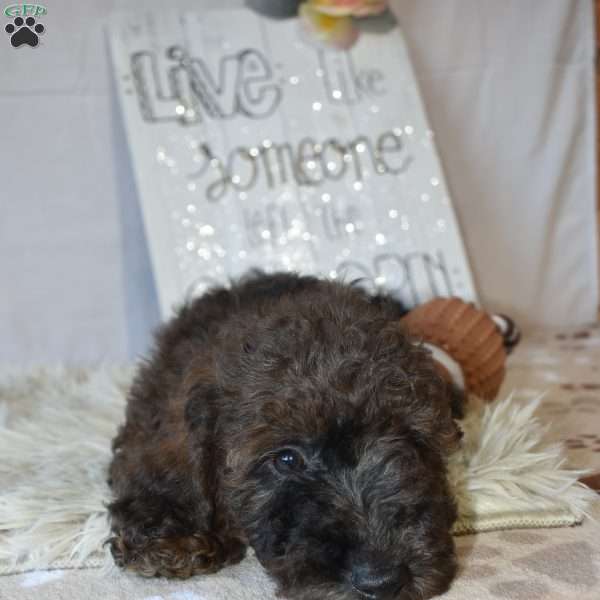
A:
[288,460]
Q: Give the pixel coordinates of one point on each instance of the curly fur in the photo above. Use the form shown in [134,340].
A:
[276,364]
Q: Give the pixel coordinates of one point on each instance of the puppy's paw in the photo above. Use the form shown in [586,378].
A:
[175,557]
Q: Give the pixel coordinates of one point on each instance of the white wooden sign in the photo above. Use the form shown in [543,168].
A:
[255,147]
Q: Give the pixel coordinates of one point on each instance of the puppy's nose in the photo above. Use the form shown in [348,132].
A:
[376,582]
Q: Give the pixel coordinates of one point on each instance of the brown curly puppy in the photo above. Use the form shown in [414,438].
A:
[293,415]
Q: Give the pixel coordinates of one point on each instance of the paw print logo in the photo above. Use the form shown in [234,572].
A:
[24,31]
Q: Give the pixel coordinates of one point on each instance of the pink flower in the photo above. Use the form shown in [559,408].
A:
[349,8]
[331,20]
[339,32]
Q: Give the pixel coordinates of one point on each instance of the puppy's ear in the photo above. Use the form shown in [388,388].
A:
[200,408]
[198,399]
[435,427]
[201,395]
[410,378]
[165,514]
[427,412]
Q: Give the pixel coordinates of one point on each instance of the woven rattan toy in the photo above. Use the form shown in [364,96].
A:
[469,345]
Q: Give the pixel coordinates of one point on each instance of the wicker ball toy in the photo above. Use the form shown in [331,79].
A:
[469,345]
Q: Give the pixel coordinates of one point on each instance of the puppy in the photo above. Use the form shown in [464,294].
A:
[292,415]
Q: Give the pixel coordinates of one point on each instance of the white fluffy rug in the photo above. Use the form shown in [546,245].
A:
[55,433]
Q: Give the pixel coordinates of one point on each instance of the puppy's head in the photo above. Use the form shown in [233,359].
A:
[336,456]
